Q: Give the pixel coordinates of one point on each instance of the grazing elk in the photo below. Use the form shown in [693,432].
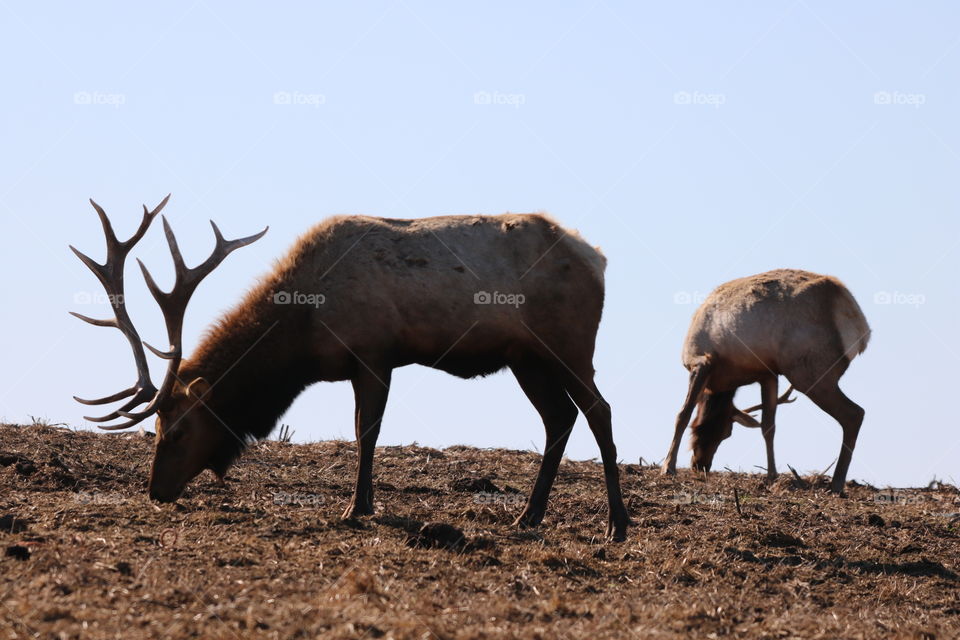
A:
[800,325]
[355,298]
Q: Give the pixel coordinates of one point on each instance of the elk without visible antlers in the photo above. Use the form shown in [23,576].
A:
[801,325]
[382,294]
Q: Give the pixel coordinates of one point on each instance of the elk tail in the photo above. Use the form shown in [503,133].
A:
[850,322]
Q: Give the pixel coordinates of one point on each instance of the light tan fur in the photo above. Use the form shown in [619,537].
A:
[771,321]
[802,325]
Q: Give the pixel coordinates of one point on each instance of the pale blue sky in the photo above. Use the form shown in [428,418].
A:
[694,142]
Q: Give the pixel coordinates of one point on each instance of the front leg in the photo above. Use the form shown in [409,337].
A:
[698,380]
[768,399]
[370,390]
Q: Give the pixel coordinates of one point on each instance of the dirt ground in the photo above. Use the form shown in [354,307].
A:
[87,555]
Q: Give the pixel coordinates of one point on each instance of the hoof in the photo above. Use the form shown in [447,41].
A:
[617,532]
[528,520]
[357,510]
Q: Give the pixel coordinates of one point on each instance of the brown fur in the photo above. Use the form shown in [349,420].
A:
[804,326]
[399,292]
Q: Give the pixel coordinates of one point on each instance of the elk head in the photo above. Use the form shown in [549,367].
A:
[190,437]
[714,424]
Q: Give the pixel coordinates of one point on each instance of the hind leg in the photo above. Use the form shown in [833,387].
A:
[587,397]
[545,392]
[826,394]
[850,416]
[698,380]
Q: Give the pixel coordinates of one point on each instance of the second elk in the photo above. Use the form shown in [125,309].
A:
[801,325]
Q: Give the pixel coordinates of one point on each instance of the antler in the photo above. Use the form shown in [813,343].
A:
[110,275]
[784,399]
[173,304]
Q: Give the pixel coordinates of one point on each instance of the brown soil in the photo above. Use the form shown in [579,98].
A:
[86,555]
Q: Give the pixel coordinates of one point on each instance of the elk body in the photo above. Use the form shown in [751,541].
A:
[354,299]
[803,326]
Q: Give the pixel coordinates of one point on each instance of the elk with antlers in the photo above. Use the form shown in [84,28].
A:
[803,326]
[380,294]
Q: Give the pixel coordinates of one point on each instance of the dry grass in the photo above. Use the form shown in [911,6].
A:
[88,556]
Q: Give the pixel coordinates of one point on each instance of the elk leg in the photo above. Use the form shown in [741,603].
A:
[586,396]
[370,392]
[559,414]
[829,397]
[698,380]
[768,401]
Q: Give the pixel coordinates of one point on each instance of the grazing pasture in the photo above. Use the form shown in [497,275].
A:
[87,555]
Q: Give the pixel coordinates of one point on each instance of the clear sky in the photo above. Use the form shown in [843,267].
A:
[694,142]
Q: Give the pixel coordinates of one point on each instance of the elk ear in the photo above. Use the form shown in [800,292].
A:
[199,389]
[745,419]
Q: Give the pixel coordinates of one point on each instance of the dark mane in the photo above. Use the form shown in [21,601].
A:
[255,377]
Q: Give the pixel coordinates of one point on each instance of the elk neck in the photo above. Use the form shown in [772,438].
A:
[253,365]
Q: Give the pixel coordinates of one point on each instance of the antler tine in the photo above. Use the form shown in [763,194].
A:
[112,322]
[222,249]
[784,399]
[148,217]
[140,396]
[108,231]
[126,425]
[126,393]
